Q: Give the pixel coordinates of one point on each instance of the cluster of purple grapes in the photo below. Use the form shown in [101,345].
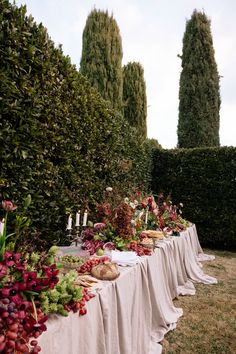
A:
[17,327]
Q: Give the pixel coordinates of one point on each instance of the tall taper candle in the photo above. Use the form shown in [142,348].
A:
[69,224]
[1,227]
[146,217]
[77,220]
[85,218]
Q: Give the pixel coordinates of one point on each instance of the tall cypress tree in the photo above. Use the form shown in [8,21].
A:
[101,60]
[199,92]
[134,97]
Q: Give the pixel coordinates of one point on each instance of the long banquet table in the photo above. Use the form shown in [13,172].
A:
[131,314]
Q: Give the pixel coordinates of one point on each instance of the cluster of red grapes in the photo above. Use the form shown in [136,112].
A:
[88,265]
[139,249]
[17,327]
[80,306]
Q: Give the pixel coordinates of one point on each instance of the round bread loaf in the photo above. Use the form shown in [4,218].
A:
[105,271]
[154,234]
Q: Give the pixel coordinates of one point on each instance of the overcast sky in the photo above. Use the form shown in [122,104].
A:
[152,32]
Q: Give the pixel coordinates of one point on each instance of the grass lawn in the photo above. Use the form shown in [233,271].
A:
[208,325]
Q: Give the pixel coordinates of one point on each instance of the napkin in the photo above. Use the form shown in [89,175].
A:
[125,258]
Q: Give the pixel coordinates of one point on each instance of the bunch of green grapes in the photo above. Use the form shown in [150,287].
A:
[63,296]
[69,260]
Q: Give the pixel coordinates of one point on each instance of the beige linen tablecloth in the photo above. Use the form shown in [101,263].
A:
[133,313]
[126,308]
[75,334]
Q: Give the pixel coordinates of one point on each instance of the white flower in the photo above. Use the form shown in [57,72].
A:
[135,202]
[109,189]
[133,206]
[181,205]
[126,200]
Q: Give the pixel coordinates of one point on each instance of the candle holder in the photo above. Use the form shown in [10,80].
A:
[69,235]
[75,236]
[78,236]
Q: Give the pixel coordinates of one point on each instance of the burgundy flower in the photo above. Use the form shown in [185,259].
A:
[8,205]
[3,271]
[12,258]
[161,221]
[35,285]
[39,286]
[45,282]
[32,325]
[12,293]
[51,277]
[24,305]
[53,282]
[31,285]
[43,319]
[22,286]
[29,276]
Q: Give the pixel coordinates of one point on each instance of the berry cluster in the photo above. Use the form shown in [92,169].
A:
[87,266]
[139,249]
[80,306]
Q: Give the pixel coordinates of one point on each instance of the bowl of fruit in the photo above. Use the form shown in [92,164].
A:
[69,261]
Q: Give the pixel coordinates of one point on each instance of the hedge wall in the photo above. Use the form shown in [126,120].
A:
[204,179]
[59,141]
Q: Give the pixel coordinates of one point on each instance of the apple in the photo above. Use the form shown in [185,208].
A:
[99,252]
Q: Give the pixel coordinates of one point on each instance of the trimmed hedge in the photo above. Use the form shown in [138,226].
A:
[204,179]
[59,141]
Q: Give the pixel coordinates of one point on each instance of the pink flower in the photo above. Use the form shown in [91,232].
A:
[155,211]
[8,205]
[99,225]
[144,203]
[150,202]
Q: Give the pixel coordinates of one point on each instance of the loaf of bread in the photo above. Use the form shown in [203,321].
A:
[154,234]
[147,242]
[105,271]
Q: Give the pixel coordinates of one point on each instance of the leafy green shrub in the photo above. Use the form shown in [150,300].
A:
[204,179]
[60,141]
